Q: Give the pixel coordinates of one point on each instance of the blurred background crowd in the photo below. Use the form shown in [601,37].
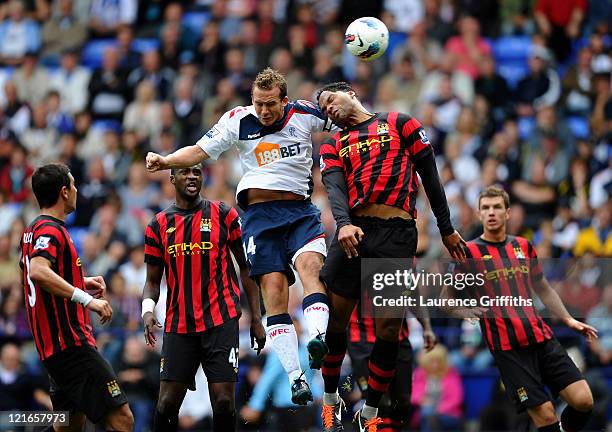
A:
[511,92]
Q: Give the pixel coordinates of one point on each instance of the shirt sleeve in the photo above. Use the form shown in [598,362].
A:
[330,160]
[413,136]
[48,241]
[319,121]
[153,248]
[233,223]
[535,268]
[221,136]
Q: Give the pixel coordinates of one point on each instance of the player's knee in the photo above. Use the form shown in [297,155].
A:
[583,401]
[389,332]
[167,405]
[309,266]
[223,404]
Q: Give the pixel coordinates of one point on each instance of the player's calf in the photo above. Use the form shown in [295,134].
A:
[223,405]
[120,419]
[580,404]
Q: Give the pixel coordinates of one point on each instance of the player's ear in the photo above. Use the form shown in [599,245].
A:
[285,100]
[172,179]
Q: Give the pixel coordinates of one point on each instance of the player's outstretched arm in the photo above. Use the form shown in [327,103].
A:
[41,273]
[258,333]
[553,303]
[182,158]
[426,167]
[150,296]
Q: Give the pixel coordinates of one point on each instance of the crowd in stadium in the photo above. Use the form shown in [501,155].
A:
[513,92]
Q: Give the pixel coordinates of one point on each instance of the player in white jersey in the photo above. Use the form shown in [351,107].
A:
[281,227]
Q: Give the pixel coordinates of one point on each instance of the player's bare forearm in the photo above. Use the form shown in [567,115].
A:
[153,282]
[551,300]
[43,275]
[186,157]
[248,285]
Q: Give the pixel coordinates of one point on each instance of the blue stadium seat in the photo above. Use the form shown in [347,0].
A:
[525,126]
[512,71]
[579,126]
[478,390]
[396,40]
[195,21]
[104,125]
[511,48]
[92,53]
[144,45]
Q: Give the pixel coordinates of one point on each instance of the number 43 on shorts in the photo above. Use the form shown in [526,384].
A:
[233,357]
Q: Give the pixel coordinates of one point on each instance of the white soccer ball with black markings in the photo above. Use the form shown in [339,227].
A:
[367,38]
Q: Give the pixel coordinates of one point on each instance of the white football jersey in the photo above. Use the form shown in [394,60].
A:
[276,157]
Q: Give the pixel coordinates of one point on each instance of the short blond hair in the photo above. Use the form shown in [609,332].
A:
[269,78]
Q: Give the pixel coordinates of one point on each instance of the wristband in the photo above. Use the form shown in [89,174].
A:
[80,296]
[148,305]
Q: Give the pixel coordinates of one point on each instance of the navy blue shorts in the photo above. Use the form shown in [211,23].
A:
[274,233]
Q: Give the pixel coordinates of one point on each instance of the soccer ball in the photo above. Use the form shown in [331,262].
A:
[367,38]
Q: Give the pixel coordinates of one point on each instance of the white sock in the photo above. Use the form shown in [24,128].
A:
[285,345]
[368,412]
[330,398]
[316,316]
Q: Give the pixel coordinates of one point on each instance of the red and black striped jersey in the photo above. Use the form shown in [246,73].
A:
[57,323]
[193,246]
[362,330]
[510,269]
[376,157]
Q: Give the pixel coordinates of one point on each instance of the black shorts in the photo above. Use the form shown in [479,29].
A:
[383,238]
[215,349]
[526,371]
[83,381]
[401,386]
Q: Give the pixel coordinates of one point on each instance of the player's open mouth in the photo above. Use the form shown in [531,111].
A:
[191,187]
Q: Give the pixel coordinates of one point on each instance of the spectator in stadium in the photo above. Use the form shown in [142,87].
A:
[18,35]
[577,85]
[40,139]
[143,114]
[130,58]
[138,373]
[535,194]
[541,87]
[187,111]
[17,114]
[15,176]
[108,89]
[601,317]
[211,49]
[282,61]
[437,392]
[31,79]
[134,272]
[153,70]
[62,31]
[468,48]
[173,17]
[71,80]
[493,87]
[560,24]
[13,319]
[18,388]
[106,17]
[68,156]
[8,264]
[58,119]
[93,192]
[462,84]
[597,237]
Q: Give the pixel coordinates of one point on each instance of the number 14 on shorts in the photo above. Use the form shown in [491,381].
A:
[249,247]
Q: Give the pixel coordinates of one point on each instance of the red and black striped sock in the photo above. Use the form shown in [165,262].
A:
[336,342]
[381,369]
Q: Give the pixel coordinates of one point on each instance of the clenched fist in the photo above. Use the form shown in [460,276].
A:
[156,162]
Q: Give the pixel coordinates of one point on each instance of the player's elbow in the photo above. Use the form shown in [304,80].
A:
[37,271]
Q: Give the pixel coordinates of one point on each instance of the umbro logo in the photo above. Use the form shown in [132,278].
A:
[170,230]
[251,136]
